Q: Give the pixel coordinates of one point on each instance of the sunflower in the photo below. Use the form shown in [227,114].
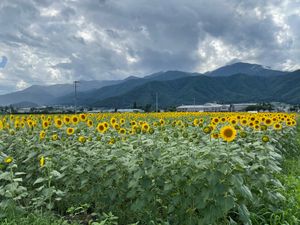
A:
[233,121]
[162,122]
[29,123]
[277,126]
[54,137]
[251,124]
[263,127]
[223,119]
[42,161]
[268,122]
[265,138]
[244,122]
[288,123]
[151,131]
[89,123]
[82,139]
[8,159]
[122,131]
[228,133]
[215,135]
[243,134]
[42,134]
[196,122]
[207,130]
[133,128]
[179,123]
[1,125]
[17,124]
[74,119]
[117,126]
[70,130]
[101,128]
[256,127]
[82,117]
[113,121]
[145,127]
[58,123]
[67,119]
[112,141]
[215,120]
[122,121]
[256,122]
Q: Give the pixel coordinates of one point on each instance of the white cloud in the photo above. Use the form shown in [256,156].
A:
[21,85]
[49,12]
[214,53]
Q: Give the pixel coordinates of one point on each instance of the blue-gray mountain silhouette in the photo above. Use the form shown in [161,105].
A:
[239,82]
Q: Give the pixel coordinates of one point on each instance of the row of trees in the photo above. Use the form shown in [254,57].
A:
[260,107]
[152,108]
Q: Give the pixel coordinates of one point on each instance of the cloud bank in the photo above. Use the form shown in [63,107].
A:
[50,42]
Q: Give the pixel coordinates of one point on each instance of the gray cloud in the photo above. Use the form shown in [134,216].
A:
[59,41]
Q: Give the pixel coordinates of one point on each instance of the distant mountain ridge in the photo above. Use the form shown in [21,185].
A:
[228,89]
[89,97]
[44,95]
[174,87]
[245,68]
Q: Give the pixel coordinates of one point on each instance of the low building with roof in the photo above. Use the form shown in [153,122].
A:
[207,107]
[214,107]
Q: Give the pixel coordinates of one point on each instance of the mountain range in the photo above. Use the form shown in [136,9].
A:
[238,82]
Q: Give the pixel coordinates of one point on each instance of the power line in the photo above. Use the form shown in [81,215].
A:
[156,102]
[75,95]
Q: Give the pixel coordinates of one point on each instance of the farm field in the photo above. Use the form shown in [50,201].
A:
[155,168]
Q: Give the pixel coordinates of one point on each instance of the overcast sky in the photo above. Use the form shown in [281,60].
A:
[58,41]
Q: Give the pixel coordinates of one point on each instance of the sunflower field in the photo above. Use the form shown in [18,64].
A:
[155,168]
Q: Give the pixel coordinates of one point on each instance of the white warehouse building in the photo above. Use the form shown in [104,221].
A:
[214,107]
[208,107]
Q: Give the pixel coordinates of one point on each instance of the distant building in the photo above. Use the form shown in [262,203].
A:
[24,110]
[118,110]
[241,106]
[130,110]
[214,107]
[281,107]
[208,107]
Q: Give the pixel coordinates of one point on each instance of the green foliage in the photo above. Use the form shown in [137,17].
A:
[259,107]
[190,179]
[34,219]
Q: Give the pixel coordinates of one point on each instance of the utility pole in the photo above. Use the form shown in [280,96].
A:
[156,102]
[75,95]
